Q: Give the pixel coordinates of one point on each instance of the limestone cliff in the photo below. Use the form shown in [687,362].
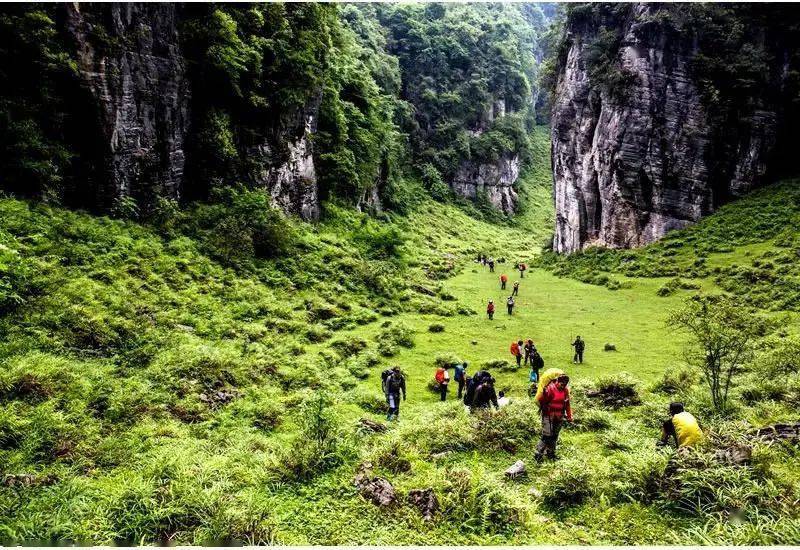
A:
[637,148]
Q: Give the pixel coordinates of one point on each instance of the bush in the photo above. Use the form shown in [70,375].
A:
[396,334]
[508,428]
[447,360]
[500,364]
[567,485]
[370,400]
[675,381]
[616,391]
[594,420]
[478,505]
[436,327]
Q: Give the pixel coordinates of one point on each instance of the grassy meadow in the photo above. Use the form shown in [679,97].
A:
[160,386]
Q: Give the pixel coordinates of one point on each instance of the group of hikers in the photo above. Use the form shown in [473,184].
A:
[510,302]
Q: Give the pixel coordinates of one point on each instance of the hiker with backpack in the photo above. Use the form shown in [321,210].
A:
[460,376]
[537,364]
[442,378]
[682,426]
[522,267]
[515,291]
[529,348]
[503,281]
[555,407]
[491,265]
[485,395]
[516,351]
[579,346]
[472,384]
[510,305]
[393,383]
[490,309]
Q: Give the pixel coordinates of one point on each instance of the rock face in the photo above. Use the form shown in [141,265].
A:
[495,179]
[630,165]
[137,78]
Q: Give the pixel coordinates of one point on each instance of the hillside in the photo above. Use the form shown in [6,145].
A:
[182,382]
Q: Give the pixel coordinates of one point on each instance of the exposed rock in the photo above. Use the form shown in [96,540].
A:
[218,398]
[137,78]
[372,426]
[27,480]
[437,456]
[631,165]
[495,179]
[376,489]
[516,470]
[425,500]
[779,431]
[736,455]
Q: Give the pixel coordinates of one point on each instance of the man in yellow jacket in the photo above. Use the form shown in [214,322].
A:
[682,426]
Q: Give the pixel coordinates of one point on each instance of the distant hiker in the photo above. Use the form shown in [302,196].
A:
[490,310]
[522,267]
[515,292]
[682,426]
[529,348]
[483,259]
[510,305]
[491,265]
[472,384]
[485,395]
[516,350]
[501,260]
[555,407]
[502,400]
[460,376]
[394,384]
[443,379]
[479,258]
[579,346]
[503,281]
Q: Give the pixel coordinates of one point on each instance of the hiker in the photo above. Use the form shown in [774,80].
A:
[516,351]
[579,345]
[485,395]
[555,407]
[515,292]
[461,376]
[491,265]
[502,400]
[682,426]
[472,384]
[394,384]
[537,364]
[510,305]
[503,281]
[490,310]
[529,348]
[443,379]
[522,267]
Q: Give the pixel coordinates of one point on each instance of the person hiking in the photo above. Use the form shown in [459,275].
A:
[529,348]
[503,281]
[395,384]
[682,426]
[502,400]
[483,259]
[510,305]
[579,346]
[554,407]
[490,309]
[522,267]
[485,395]
[491,265]
[516,351]
[537,364]
[442,379]
[515,291]
[472,384]
[460,376]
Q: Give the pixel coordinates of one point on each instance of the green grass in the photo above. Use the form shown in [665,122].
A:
[159,387]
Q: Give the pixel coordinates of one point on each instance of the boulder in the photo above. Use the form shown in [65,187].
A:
[425,500]
[372,426]
[736,455]
[609,347]
[375,489]
[516,470]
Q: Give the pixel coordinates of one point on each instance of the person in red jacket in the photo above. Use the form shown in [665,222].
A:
[555,408]
[503,281]
[442,379]
[490,310]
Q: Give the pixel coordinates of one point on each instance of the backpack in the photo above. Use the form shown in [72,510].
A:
[394,383]
[469,395]
[384,377]
[440,375]
[538,361]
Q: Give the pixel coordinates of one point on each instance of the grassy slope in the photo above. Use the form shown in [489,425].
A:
[106,362]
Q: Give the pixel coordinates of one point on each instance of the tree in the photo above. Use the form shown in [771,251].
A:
[721,332]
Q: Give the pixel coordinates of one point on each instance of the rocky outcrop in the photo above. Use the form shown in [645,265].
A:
[130,61]
[642,156]
[494,179]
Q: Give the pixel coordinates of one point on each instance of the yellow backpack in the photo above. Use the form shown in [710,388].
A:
[547,376]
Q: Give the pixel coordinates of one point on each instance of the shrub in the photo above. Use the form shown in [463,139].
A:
[478,505]
[508,428]
[396,334]
[567,485]
[594,420]
[499,364]
[370,400]
[675,381]
[616,391]
[349,346]
[447,360]
[436,327]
